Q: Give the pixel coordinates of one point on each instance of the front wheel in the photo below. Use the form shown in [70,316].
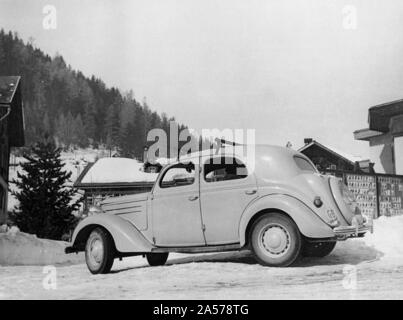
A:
[318,249]
[157,259]
[275,240]
[99,251]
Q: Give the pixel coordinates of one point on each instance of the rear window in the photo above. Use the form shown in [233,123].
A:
[304,164]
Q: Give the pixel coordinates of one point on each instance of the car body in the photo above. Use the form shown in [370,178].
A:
[277,203]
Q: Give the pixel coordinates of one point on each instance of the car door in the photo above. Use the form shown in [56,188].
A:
[176,216]
[226,188]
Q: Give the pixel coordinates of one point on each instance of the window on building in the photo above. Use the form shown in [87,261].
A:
[226,168]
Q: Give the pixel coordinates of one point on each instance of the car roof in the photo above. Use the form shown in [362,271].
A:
[241,151]
[268,162]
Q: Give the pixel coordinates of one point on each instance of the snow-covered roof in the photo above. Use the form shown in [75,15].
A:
[117,170]
[164,161]
[349,157]
[8,88]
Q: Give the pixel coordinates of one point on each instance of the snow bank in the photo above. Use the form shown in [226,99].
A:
[118,170]
[387,238]
[18,248]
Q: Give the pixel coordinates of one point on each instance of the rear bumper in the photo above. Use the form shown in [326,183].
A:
[353,231]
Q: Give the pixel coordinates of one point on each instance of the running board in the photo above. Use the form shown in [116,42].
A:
[203,249]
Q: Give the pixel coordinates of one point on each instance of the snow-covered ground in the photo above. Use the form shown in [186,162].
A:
[368,268]
[18,248]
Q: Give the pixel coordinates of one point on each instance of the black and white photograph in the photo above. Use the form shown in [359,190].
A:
[217,152]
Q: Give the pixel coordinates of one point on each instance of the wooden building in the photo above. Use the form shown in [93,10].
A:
[11,132]
[111,177]
[328,158]
[377,193]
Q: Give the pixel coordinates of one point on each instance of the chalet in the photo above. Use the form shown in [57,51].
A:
[328,158]
[385,137]
[113,177]
[11,131]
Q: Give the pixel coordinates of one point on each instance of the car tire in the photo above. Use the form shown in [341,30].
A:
[275,240]
[157,259]
[99,251]
[318,249]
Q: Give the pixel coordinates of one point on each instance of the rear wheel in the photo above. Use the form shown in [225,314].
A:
[99,251]
[157,259]
[318,249]
[275,240]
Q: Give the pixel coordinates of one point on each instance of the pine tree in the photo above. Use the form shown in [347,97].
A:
[80,138]
[51,87]
[2,52]
[139,140]
[61,129]
[155,121]
[112,126]
[128,140]
[45,204]
[90,126]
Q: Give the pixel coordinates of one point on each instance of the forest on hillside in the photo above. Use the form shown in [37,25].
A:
[76,110]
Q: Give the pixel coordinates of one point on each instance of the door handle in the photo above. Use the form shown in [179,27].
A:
[193,198]
[250,192]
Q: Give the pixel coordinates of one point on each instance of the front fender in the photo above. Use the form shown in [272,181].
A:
[126,236]
[309,224]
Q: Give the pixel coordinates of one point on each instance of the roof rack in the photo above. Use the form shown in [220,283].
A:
[223,141]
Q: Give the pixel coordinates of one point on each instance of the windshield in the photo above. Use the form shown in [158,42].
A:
[304,164]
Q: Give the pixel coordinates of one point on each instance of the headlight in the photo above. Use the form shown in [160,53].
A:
[94,210]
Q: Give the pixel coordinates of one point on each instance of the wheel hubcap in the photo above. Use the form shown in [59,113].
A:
[96,251]
[275,240]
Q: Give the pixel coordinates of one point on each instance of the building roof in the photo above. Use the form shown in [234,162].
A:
[379,116]
[115,172]
[12,110]
[366,134]
[8,87]
[347,157]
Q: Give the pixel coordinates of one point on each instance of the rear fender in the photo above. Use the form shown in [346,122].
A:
[126,236]
[309,224]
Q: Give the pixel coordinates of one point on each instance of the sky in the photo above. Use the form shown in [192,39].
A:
[289,69]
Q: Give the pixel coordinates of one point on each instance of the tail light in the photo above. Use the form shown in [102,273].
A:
[349,198]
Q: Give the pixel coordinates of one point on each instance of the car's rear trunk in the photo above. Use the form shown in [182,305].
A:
[346,209]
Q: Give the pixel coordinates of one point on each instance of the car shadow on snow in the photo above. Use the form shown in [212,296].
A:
[353,252]
[350,252]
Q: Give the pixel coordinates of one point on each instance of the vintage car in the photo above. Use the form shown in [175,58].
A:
[280,209]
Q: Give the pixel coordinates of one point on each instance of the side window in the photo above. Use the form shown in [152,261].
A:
[223,169]
[178,175]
